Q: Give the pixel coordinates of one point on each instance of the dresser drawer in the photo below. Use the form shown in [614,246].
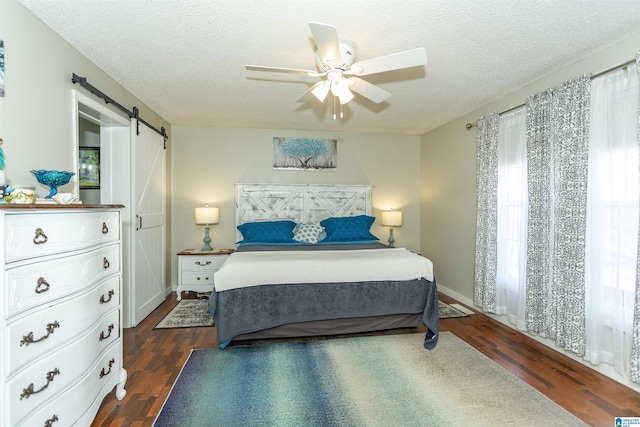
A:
[53,374]
[202,262]
[49,329]
[197,277]
[32,285]
[29,236]
[70,406]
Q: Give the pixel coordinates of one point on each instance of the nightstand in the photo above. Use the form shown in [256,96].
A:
[196,268]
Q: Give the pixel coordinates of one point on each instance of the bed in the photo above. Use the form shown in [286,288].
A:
[307,265]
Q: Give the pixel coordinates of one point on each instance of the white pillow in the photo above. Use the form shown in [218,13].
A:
[307,232]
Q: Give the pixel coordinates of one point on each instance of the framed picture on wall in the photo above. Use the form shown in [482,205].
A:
[305,154]
[89,167]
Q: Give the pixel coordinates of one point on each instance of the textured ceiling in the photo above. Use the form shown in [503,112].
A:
[185,58]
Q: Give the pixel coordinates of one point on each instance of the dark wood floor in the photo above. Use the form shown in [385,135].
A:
[153,359]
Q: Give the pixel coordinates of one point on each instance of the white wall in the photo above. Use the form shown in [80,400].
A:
[208,162]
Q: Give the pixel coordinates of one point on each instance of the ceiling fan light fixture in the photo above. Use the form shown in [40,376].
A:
[345,97]
[335,60]
[340,88]
[321,91]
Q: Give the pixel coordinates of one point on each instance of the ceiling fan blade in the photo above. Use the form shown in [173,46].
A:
[326,38]
[318,90]
[368,90]
[394,61]
[283,70]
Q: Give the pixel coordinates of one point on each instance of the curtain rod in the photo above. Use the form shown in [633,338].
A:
[615,67]
[135,113]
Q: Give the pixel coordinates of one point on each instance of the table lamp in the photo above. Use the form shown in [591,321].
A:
[206,216]
[391,219]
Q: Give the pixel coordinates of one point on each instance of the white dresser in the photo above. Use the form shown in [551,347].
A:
[60,313]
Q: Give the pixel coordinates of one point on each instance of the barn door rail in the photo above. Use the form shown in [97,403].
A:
[135,113]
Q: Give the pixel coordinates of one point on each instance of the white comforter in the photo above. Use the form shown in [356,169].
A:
[244,269]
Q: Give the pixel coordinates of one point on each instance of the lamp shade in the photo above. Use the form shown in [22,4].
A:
[340,88]
[392,218]
[321,89]
[206,215]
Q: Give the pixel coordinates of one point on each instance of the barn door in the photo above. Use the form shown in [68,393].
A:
[148,270]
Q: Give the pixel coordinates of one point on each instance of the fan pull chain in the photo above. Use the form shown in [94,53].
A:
[334,109]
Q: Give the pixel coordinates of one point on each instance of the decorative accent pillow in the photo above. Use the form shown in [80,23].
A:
[349,228]
[267,232]
[308,232]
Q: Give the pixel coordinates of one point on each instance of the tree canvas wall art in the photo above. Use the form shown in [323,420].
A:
[305,153]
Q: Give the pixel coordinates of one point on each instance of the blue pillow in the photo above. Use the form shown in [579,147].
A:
[291,243]
[267,232]
[348,228]
[350,242]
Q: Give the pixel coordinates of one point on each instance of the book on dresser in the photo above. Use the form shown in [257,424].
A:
[61,314]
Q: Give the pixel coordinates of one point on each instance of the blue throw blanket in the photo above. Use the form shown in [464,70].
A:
[245,310]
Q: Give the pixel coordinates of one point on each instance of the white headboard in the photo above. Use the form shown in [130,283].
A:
[300,202]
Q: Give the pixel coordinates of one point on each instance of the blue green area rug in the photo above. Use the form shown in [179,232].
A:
[388,380]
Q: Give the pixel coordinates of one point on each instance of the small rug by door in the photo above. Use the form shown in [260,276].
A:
[193,313]
[189,313]
[388,380]
[446,311]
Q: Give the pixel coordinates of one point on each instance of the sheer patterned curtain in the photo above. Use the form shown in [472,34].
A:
[635,352]
[484,287]
[570,118]
[569,268]
[557,145]
[540,221]
[612,245]
[512,216]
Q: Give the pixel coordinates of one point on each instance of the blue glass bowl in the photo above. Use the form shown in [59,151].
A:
[52,179]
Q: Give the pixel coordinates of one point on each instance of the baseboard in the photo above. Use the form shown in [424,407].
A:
[603,368]
[172,288]
[458,297]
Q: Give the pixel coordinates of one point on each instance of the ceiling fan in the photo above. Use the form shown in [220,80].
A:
[335,61]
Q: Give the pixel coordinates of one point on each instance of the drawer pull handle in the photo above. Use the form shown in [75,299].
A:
[40,237]
[28,339]
[105,263]
[205,264]
[109,296]
[103,373]
[43,286]
[102,336]
[26,392]
[50,421]
[105,229]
